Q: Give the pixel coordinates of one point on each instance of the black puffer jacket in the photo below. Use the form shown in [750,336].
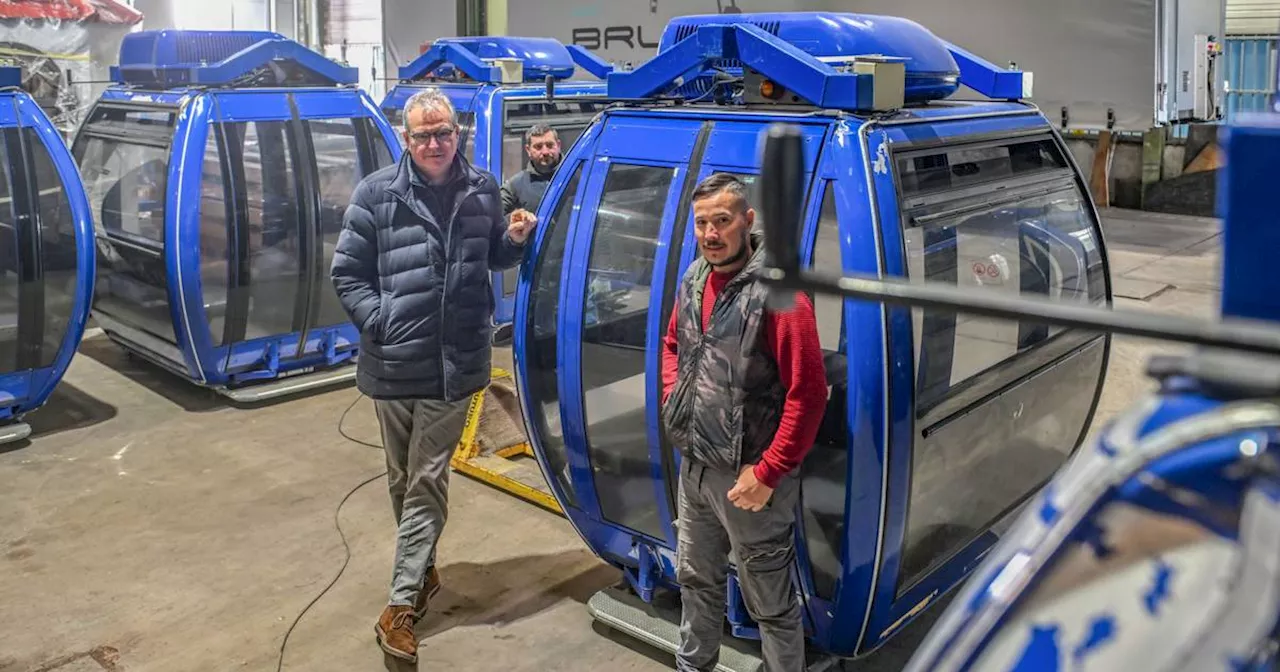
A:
[424,312]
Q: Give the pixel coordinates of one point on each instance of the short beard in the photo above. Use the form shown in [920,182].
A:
[743,250]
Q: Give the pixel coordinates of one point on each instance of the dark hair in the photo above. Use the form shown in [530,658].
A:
[719,182]
[538,129]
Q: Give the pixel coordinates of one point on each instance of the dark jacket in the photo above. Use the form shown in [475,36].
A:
[727,402]
[424,312]
[525,190]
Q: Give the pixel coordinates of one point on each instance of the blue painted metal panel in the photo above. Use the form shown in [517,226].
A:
[182,224]
[239,106]
[10,76]
[1246,187]
[126,95]
[867,397]
[632,138]
[321,104]
[9,109]
[735,144]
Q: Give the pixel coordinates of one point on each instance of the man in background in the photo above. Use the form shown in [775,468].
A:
[524,191]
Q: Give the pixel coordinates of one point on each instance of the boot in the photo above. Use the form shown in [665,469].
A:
[395,633]
[430,587]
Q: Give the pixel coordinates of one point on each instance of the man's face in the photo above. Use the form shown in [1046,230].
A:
[722,225]
[432,140]
[544,151]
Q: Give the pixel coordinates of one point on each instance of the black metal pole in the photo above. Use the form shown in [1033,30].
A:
[782,173]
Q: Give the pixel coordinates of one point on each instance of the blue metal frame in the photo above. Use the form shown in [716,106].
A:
[24,391]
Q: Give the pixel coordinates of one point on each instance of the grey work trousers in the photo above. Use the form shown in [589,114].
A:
[709,527]
[419,436]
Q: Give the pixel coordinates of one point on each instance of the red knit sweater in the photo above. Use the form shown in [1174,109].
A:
[792,337]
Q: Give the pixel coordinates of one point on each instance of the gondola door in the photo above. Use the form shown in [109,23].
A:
[279,171]
[609,328]
[57,269]
[18,269]
[254,235]
[733,147]
[337,133]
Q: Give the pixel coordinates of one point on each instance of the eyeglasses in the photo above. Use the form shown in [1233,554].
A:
[441,136]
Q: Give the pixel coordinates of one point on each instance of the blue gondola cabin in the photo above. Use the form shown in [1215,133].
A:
[46,257]
[218,168]
[938,426]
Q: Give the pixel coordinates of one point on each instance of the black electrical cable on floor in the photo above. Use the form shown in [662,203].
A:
[346,548]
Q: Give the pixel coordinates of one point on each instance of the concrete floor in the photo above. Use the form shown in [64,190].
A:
[148,525]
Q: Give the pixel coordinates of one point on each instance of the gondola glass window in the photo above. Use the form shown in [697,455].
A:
[124,162]
[338,166]
[619,278]
[568,118]
[1006,217]
[215,236]
[10,280]
[270,176]
[544,309]
[826,468]
[57,249]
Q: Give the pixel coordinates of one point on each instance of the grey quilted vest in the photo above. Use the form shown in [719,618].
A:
[727,401]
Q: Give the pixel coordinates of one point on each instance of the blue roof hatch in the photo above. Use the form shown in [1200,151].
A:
[482,59]
[817,58]
[235,58]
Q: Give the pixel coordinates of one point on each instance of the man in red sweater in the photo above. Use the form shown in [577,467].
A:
[744,390]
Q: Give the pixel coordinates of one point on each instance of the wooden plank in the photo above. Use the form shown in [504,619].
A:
[1153,144]
[1100,177]
[1210,158]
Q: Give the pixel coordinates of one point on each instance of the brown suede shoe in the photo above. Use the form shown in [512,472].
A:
[430,587]
[395,633]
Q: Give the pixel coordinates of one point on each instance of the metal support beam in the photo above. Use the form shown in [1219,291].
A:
[988,78]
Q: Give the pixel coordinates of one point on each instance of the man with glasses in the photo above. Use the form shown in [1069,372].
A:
[412,268]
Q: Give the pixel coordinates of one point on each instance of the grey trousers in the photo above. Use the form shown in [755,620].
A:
[419,436]
[709,527]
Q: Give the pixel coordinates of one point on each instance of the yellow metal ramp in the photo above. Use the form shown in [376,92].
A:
[494,448]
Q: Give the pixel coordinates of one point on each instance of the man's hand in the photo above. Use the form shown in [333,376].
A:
[521,225]
[749,493]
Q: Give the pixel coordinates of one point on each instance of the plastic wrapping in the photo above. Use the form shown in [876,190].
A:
[64,48]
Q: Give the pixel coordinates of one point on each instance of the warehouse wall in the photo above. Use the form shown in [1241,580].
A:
[409,23]
[1253,17]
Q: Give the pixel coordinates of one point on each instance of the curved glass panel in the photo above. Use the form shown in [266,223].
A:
[543,343]
[824,471]
[616,313]
[58,253]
